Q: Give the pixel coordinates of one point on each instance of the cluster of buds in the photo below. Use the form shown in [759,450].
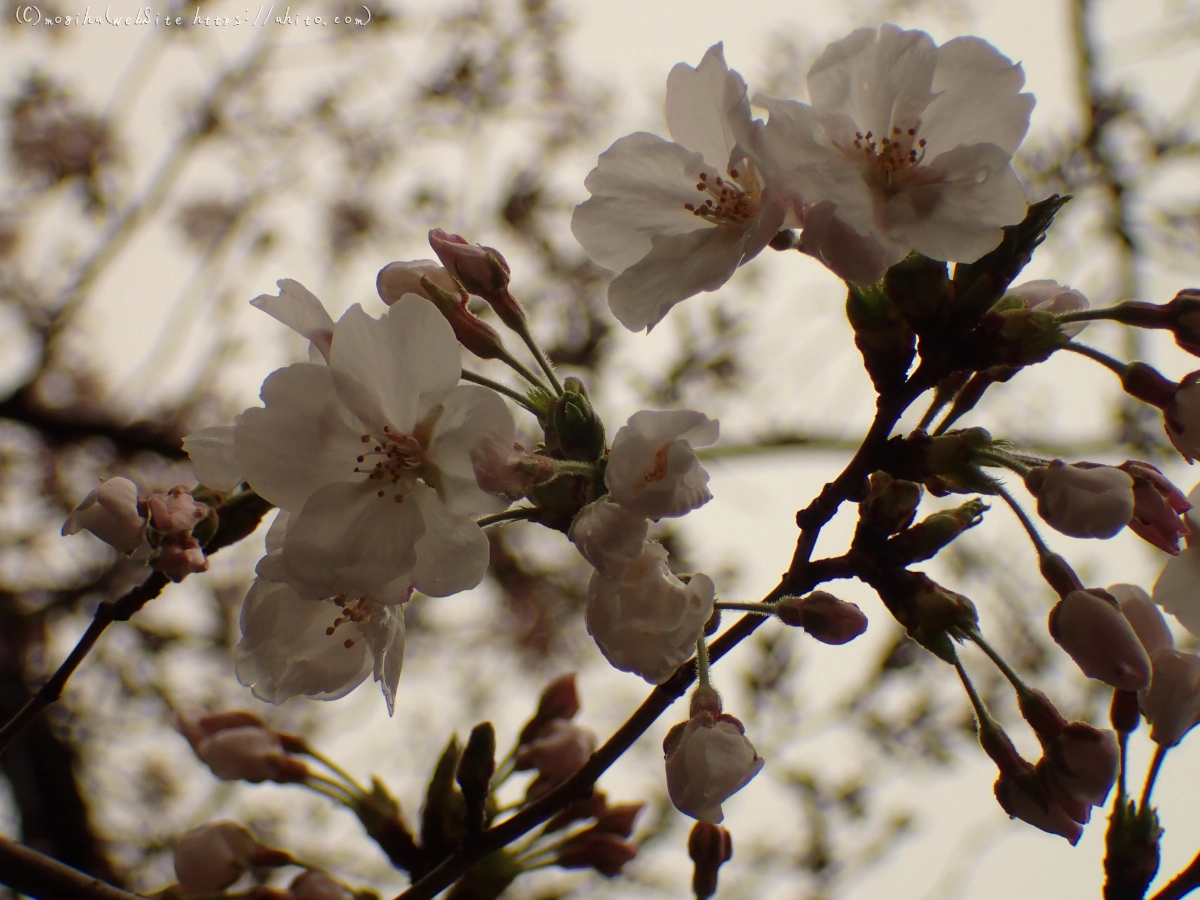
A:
[169,528]
[550,742]
[239,746]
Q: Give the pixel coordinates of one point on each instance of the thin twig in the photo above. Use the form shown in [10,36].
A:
[28,872]
[1160,753]
[1183,883]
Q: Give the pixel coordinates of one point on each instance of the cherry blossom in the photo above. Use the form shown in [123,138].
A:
[210,858]
[111,513]
[1091,502]
[709,760]
[906,146]
[648,622]
[653,470]
[300,310]
[608,536]
[238,746]
[1158,507]
[677,218]
[1022,795]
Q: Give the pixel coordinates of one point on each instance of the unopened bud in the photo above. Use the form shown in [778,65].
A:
[577,428]
[559,700]
[1149,385]
[475,768]
[1083,502]
[1090,627]
[618,820]
[606,853]
[1018,337]
[921,288]
[1084,762]
[710,847]
[891,503]
[923,540]
[476,335]
[1158,507]
[178,557]
[824,616]
[1124,712]
[881,333]
[482,271]
[317,886]
[559,751]
[399,278]
[238,746]
[176,512]
[210,858]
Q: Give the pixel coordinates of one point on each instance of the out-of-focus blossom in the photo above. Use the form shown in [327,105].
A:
[214,456]
[1172,702]
[648,622]
[1143,616]
[558,752]
[210,858]
[399,278]
[317,886]
[608,536]
[709,760]
[653,470]
[606,853]
[238,746]
[906,146]
[1158,507]
[709,847]
[1181,417]
[111,513]
[677,218]
[1047,295]
[1092,502]
[1095,634]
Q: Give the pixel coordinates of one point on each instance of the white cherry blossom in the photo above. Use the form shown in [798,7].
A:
[674,218]
[905,146]
[708,760]
[652,469]
[608,536]
[111,513]
[299,309]
[648,622]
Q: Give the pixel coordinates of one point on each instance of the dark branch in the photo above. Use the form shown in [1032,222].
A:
[29,872]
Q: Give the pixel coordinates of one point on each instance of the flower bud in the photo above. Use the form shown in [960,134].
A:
[1172,702]
[1143,616]
[824,616]
[1123,712]
[317,886]
[881,333]
[1082,502]
[210,858]
[1158,507]
[238,746]
[179,557]
[1023,797]
[1184,312]
[482,271]
[477,336]
[110,512]
[710,847]
[925,539]
[176,512]
[507,470]
[579,432]
[618,820]
[1084,762]
[476,767]
[709,761]
[399,278]
[558,752]
[1090,627]
[1048,296]
[921,288]
[559,700]
[606,853]
[891,503]
[608,536]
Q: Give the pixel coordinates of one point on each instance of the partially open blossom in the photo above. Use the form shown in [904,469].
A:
[827,618]
[111,513]
[1093,502]
[652,468]
[1022,795]
[558,752]
[1158,507]
[709,760]
[1143,616]
[371,454]
[1090,627]
[1172,702]
[1177,589]
[677,218]
[1084,761]
[399,278]
[240,747]
[905,146]
[1047,295]
[317,886]
[608,536]
[210,858]
[649,621]
[504,467]
[299,309]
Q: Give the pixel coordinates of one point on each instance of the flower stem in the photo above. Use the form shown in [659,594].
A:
[766,609]
[331,789]
[1160,753]
[1005,669]
[514,395]
[702,663]
[1122,791]
[1030,528]
[508,515]
[336,769]
[1099,356]
[981,712]
[541,358]
[1111,313]
[524,371]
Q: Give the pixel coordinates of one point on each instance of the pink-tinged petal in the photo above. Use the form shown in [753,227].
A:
[854,257]
[955,207]
[470,416]
[702,104]
[393,370]
[1172,702]
[1143,616]
[385,635]
[303,439]
[639,188]
[1047,295]
[978,99]
[1177,589]
[300,310]
[347,538]
[679,266]
[214,457]
[285,650]
[878,79]
[453,553]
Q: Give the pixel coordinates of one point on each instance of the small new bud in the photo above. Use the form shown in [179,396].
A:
[579,431]
[559,700]
[710,847]
[1090,627]
[474,774]
[1124,713]
[824,616]
[924,540]
[891,503]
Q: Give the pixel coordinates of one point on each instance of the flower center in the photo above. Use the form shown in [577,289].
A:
[357,612]
[734,201]
[658,469]
[395,460]
[890,158]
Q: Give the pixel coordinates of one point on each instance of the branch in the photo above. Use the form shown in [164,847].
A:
[238,518]
[1183,883]
[28,872]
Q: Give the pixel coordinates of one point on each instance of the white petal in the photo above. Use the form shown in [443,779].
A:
[300,310]
[303,439]
[702,104]
[386,637]
[979,99]
[1177,589]
[679,266]
[956,206]
[453,553]
[639,188]
[470,417]
[347,538]
[285,651]
[214,459]
[391,371]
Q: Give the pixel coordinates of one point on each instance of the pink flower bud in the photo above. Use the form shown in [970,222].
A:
[709,761]
[482,271]
[110,512]
[1083,761]
[1158,507]
[210,858]
[608,536]
[618,820]
[240,747]
[1082,502]
[179,557]
[558,752]
[1023,797]
[710,847]
[1045,295]
[606,853]
[1143,616]
[506,469]
[317,886]
[824,616]
[1172,703]
[399,278]
[560,700]
[176,512]
[1090,627]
